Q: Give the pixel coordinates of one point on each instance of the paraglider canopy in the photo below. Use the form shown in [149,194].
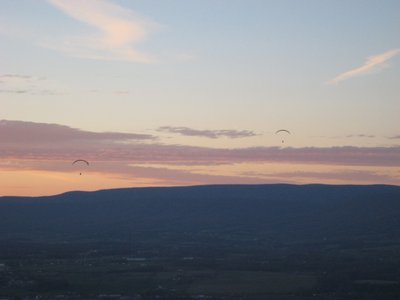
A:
[80,161]
[282,131]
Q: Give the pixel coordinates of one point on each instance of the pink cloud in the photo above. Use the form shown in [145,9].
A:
[28,146]
[26,134]
[26,140]
[212,134]
[117,31]
[373,63]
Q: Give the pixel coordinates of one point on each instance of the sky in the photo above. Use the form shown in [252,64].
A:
[166,93]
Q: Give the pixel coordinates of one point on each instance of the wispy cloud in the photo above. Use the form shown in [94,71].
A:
[16,83]
[13,91]
[212,134]
[26,84]
[360,135]
[373,63]
[118,31]
[30,135]
[395,137]
[14,76]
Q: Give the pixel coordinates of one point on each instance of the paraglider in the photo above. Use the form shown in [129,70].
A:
[80,161]
[283,131]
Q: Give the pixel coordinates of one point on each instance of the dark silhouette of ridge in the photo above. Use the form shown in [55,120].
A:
[279,212]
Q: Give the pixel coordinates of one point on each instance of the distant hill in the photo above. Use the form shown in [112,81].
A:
[280,212]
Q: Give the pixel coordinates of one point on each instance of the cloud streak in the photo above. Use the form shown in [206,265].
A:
[26,140]
[373,63]
[118,31]
[40,135]
[361,135]
[123,171]
[22,84]
[395,137]
[361,176]
[212,134]
[14,76]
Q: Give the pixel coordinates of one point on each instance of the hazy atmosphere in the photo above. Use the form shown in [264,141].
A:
[165,93]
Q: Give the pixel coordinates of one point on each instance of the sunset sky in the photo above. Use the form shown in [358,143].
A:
[178,92]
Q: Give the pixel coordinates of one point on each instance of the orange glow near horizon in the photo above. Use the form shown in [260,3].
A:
[16,182]
[44,183]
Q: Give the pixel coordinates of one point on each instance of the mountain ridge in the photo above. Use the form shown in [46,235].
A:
[198,186]
[280,210]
